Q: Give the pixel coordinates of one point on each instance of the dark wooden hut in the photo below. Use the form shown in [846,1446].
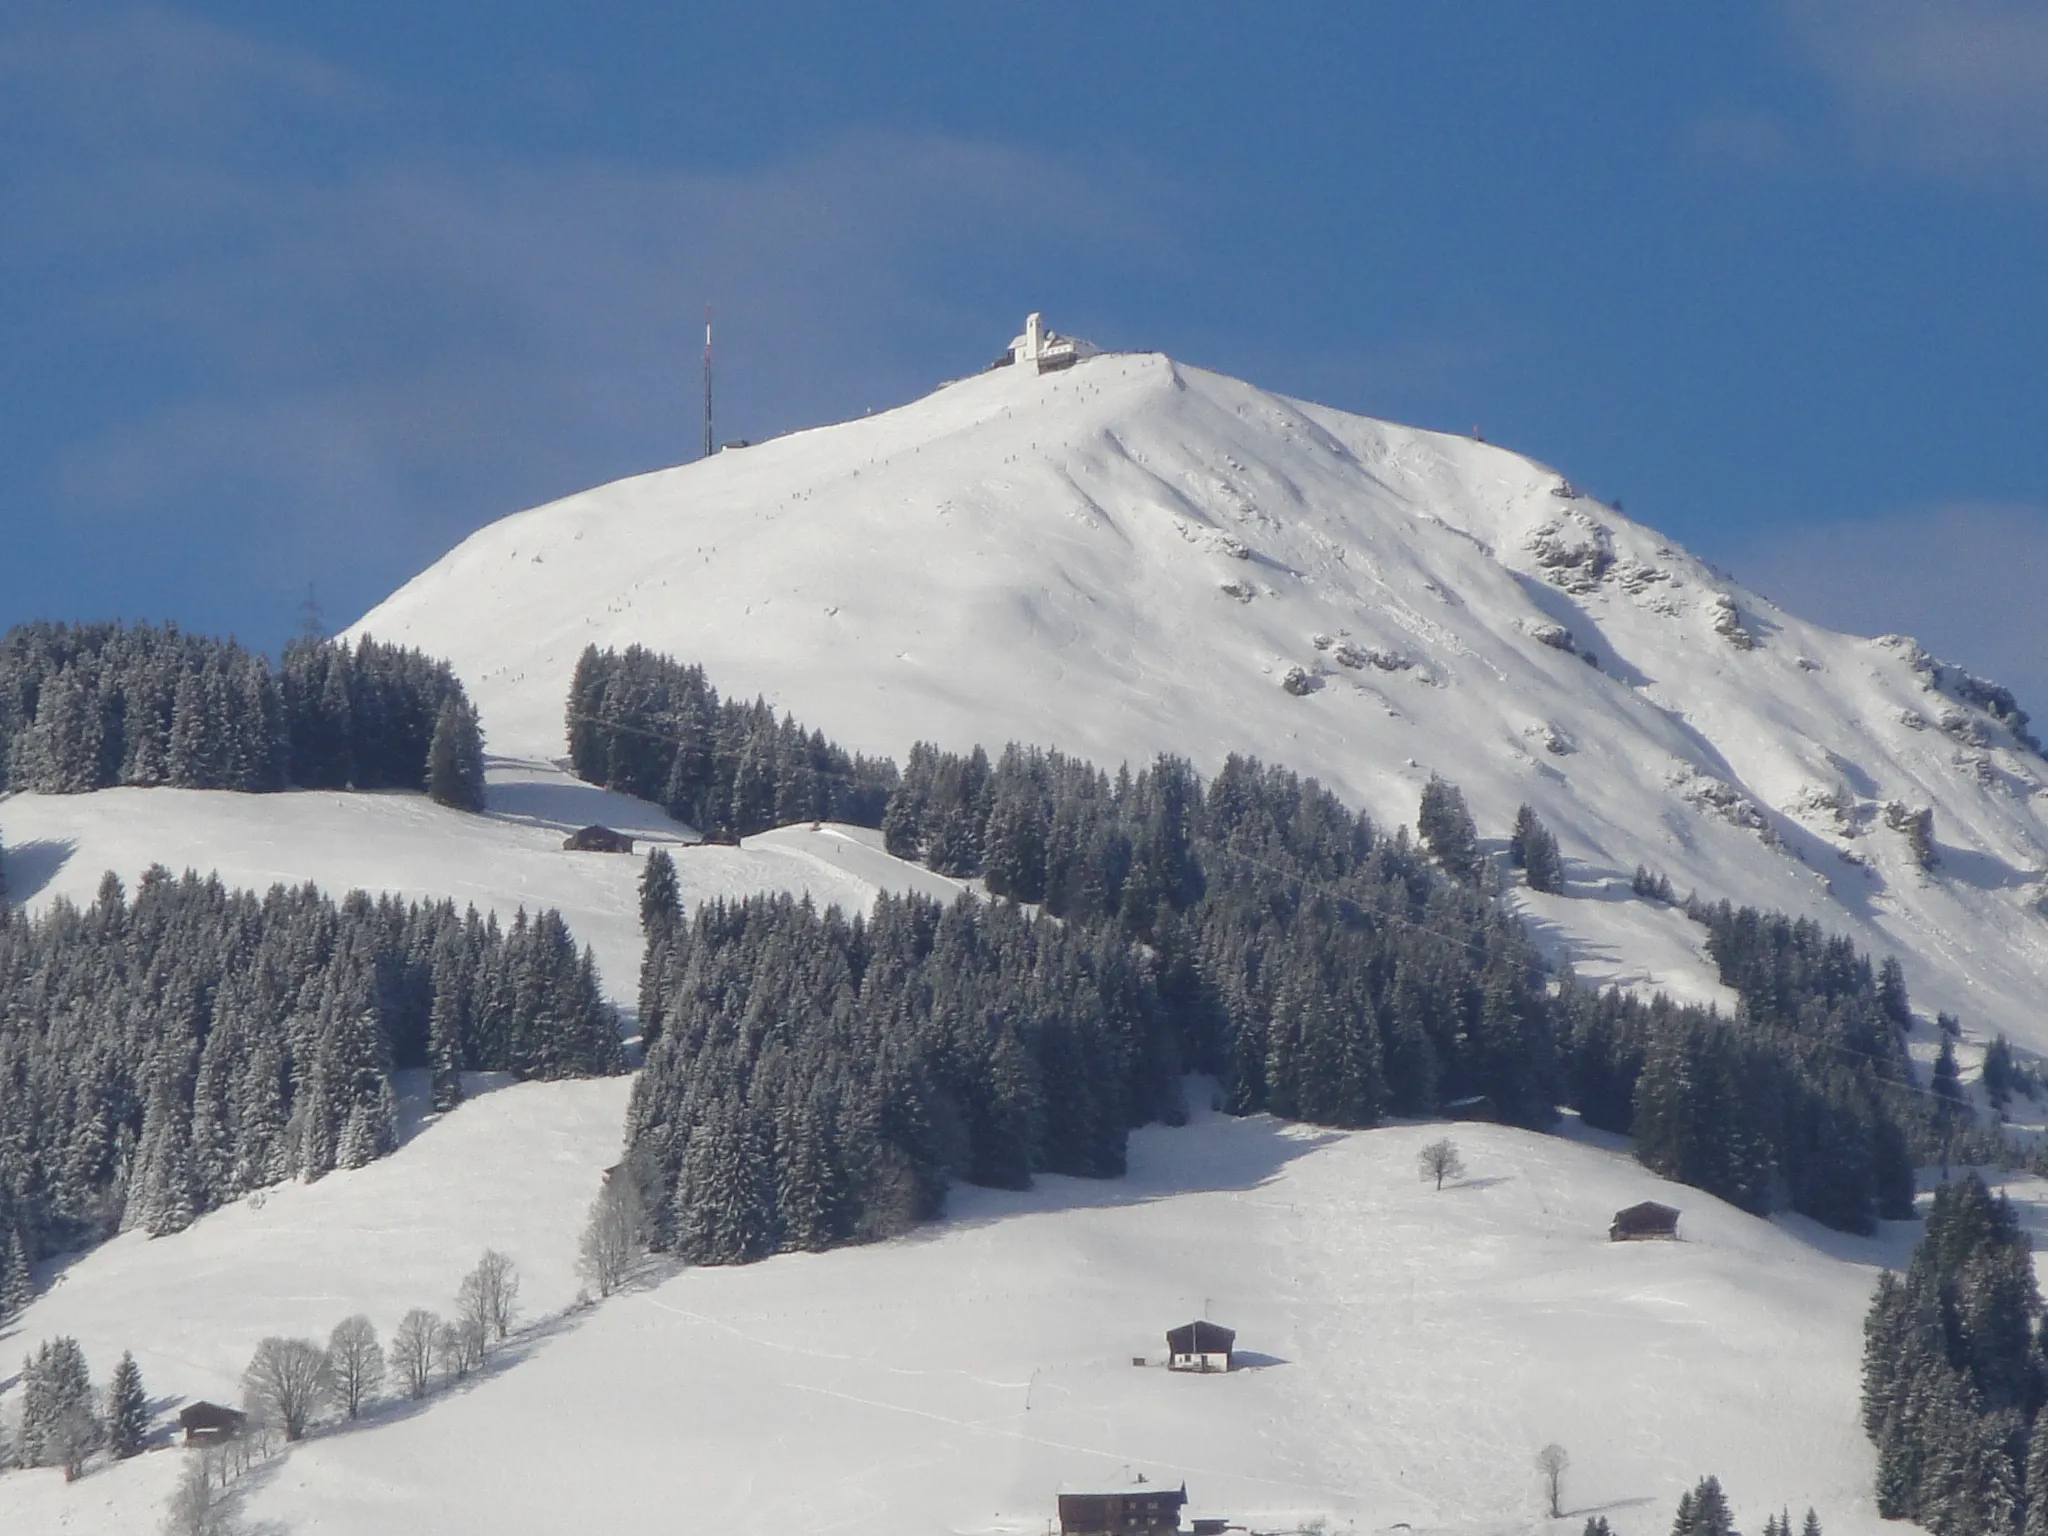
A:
[598,840]
[1134,1512]
[1200,1347]
[210,1423]
[1648,1220]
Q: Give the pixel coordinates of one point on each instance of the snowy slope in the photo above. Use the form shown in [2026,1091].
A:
[511,857]
[1411,1350]
[1131,557]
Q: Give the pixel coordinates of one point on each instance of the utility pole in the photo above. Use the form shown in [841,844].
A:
[707,381]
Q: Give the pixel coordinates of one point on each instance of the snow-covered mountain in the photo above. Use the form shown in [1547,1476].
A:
[1118,559]
[1133,556]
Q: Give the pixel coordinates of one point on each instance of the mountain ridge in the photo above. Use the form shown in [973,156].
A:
[1133,556]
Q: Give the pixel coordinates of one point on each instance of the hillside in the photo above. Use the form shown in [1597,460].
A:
[1411,1349]
[508,858]
[1135,556]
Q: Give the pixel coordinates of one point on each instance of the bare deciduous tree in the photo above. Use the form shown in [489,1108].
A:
[72,1436]
[357,1361]
[460,1347]
[415,1348]
[1439,1161]
[287,1382]
[1551,1462]
[201,1504]
[613,1236]
[489,1296]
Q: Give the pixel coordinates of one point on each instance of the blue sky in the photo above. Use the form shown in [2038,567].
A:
[306,293]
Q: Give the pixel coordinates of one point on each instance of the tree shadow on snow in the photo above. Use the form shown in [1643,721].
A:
[1214,1152]
[32,865]
[1641,1501]
[565,805]
[414,1087]
[515,1350]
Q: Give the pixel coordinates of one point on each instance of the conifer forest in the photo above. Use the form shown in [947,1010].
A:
[165,1052]
[814,1079]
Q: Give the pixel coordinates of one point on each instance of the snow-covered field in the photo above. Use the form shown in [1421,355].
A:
[1131,556]
[1409,1350]
[508,858]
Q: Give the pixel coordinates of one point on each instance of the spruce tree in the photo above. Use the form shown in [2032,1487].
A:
[2036,1523]
[1704,1511]
[127,1409]
[455,759]
[661,904]
[57,1423]
[17,1288]
[1532,849]
[1953,1105]
[1447,830]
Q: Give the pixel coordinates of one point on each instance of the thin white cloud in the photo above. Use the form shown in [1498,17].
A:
[1966,580]
[1958,87]
[89,79]
[382,354]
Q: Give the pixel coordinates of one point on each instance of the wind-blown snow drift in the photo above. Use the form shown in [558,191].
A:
[1134,556]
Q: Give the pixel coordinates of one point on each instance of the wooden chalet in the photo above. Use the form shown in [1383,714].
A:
[1134,1512]
[1640,1222]
[598,840]
[210,1423]
[1200,1346]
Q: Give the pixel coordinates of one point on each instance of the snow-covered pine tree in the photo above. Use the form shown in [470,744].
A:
[2036,1521]
[162,1197]
[723,1208]
[1447,830]
[56,1403]
[1953,1105]
[60,753]
[1704,1511]
[1533,850]
[17,1287]
[127,1409]
[455,758]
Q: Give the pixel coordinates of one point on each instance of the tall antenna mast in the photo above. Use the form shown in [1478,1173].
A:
[707,381]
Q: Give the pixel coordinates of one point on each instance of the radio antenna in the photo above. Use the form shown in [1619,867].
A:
[707,381]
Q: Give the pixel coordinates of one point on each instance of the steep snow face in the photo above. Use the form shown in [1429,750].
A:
[1134,557]
[1407,1352]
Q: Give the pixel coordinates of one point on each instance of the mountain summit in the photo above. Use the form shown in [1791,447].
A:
[1125,556]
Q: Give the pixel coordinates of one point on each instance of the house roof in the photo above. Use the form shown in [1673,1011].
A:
[1200,1339]
[209,1416]
[1648,1210]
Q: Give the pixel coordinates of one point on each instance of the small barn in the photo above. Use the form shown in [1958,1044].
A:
[210,1423]
[598,840]
[1150,1511]
[1640,1222]
[1200,1346]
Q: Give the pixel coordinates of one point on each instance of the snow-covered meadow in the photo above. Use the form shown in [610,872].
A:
[510,857]
[1407,1351]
